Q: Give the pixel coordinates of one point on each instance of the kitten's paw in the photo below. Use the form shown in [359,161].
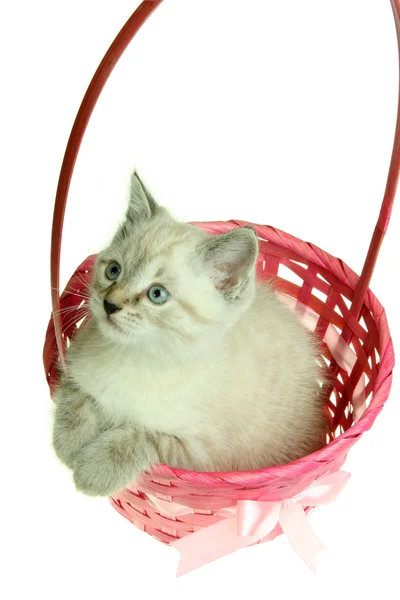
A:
[65,447]
[100,470]
[77,422]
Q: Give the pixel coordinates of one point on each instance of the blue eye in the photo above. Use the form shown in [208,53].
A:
[113,271]
[157,294]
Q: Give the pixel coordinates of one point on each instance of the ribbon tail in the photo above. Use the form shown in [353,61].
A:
[297,528]
[324,490]
[209,544]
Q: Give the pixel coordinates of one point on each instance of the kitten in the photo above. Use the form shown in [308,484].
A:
[186,361]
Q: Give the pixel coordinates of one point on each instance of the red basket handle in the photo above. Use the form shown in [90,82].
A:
[103,72]
[113,54]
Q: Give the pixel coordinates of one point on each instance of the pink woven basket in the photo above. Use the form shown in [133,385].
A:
[337,304]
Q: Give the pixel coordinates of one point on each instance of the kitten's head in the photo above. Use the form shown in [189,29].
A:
[168,286]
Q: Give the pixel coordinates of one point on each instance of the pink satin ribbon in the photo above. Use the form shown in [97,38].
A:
[250,521]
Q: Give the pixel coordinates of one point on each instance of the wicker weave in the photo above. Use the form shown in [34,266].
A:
[327,287]
[317,282]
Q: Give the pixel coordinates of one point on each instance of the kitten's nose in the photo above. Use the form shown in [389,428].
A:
[110,308]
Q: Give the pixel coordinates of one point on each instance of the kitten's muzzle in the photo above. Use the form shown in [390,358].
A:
[111,308]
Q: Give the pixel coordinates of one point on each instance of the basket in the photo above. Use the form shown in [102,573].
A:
[207,515]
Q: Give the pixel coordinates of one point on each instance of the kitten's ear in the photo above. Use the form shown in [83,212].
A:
[230,259]
[141,203]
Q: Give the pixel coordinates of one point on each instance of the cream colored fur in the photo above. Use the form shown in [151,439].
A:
[221,377]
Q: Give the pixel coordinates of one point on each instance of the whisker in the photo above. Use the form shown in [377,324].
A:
[79,314]
[85,283]
[86,315]
[70,287]
[76,293]
[68,309]
[69,322]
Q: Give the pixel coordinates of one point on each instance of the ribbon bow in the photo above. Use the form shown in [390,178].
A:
[250,521]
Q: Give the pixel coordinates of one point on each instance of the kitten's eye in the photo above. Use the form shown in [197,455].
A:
[157,294]
[113,270]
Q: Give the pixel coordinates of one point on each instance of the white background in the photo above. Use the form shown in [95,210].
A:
[282,115]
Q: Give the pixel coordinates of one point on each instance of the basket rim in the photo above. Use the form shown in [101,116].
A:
[380,392]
